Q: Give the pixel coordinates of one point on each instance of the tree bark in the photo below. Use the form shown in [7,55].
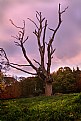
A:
[48,89]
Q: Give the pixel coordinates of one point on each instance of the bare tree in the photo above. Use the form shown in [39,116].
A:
[40,33]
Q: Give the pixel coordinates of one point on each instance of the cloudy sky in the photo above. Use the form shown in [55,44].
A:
[68,38]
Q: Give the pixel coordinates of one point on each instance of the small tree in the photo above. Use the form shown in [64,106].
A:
[40,33]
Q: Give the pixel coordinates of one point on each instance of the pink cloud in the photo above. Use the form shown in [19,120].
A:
[67,41]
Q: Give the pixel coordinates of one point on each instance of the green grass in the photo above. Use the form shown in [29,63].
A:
[55,108]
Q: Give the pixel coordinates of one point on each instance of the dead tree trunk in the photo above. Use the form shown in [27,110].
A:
[40,33]
[48,89]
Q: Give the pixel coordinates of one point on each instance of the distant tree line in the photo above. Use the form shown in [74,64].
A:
[65,80]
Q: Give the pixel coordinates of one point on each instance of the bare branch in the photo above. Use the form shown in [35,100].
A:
[36,33]
[43,19]
[19,65]
[26,57]
[38,13]
[37,17]
[25,39]
[21,39]
[59,23]
[33,22]
[64,10]
[16,43]
[46,43]
[37,62]
[52,57]
[15,25]
[22,70]
[53,51]
[24,24]
[21,32]
[49,48]
[44,33]
[15,37]
[51,29]
[4,53]
[40,34]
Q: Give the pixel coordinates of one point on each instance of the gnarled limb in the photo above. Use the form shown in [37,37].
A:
[22,70]
[21,41]
[40,33]
[7,64]
[50,50]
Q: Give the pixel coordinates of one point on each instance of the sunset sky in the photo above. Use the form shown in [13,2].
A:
[68,38]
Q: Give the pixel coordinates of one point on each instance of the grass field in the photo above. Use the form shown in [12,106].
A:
[65,107]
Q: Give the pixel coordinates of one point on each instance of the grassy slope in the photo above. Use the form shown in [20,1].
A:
[56,108]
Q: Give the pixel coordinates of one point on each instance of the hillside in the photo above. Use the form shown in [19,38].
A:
[55,108]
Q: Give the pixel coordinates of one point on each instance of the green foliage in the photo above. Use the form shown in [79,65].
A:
[64,80]
[56,108]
